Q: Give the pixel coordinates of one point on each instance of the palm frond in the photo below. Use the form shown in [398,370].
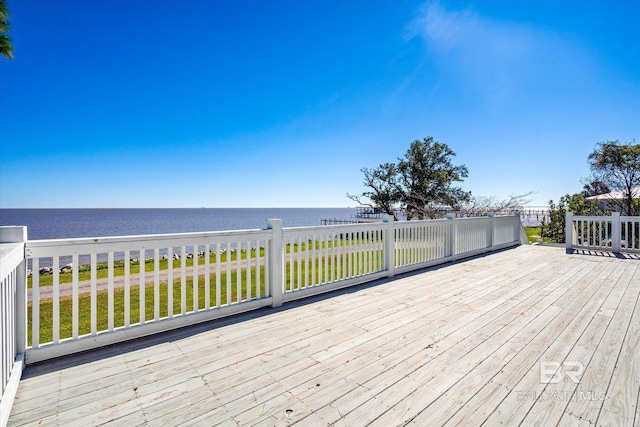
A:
[6,48]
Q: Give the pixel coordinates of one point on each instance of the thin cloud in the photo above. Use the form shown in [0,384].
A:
[448,31]
[495,60]
[439,27]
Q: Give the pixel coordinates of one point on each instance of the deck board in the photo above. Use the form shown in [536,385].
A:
[458,344]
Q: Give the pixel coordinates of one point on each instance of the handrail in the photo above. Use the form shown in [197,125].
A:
[615,232]
[12,315]
[171,280]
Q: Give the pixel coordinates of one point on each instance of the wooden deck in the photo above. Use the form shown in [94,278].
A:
[459,344]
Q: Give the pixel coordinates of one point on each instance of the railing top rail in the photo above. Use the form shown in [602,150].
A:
[604,217]
[143,237]
[382,225]
[420,222]
[331,228]
[503,217]
[11,255]
[474,218]
[149,241]
[478,218]
[591,218]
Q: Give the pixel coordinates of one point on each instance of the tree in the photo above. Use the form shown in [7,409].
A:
[427,175]
[594,188]
[481,205]
[577,203]
[617,166]
[422,182]
[384,191]
[6,46]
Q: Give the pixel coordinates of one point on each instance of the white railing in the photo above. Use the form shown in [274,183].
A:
[86,293]
[320,259]
[615,233]
[94,292]
[12,315]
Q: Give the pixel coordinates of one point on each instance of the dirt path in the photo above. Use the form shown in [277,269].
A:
[102,284]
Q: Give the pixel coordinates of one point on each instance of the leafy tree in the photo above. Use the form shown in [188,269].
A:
[6,46]
[555,228]
[384,191]
[617,166]
[422,182]
[594,188]
[427,175]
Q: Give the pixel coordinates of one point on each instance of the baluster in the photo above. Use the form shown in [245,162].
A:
[94,294]
[110,291]
[127,289]
[195,277]
[228,271]
[183,280]
[74,296]
[238,271]
[142,288]
[56,299]
[218,278]
[258,270]
[35,303]
[248,269]
[170,282]
[156,284]
[207,276]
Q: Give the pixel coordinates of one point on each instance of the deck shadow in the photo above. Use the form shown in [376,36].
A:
[603,254]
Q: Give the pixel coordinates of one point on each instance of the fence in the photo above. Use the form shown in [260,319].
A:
[139,285]
[336,221]
[615,233]
[12,314]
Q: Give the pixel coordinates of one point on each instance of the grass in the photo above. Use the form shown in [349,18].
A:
[307,271]
[533,233]
[297,274]
[228,294]
[84,271]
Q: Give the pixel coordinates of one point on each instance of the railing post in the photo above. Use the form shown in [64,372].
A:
[452,241]
[568,231]
[492,230]
[276,261]
[14,343]
[523,238]
[19,235]
[616,237]
[389,245]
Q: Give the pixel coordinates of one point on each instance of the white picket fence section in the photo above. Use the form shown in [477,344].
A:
[321,259]
[615,233]
[98,291]
[212,274]
[12,315]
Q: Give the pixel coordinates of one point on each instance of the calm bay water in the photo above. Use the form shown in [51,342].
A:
[70,223]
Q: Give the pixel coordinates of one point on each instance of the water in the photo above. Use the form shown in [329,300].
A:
[74,223]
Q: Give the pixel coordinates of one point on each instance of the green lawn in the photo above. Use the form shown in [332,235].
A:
[299,274]
[533,233]
[84,304]
[84,271]
[306,271]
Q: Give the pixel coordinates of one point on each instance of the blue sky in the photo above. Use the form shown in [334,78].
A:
[281,103]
